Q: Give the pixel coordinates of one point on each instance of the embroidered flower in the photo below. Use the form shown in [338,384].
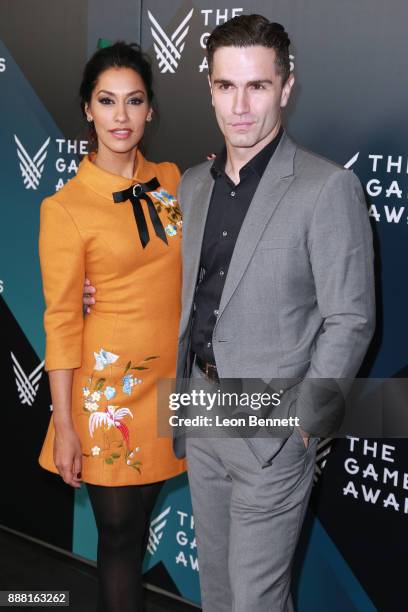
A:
[104,358]
[164,197]
[128,462]
[85,391]
[128,382]
[95,450]
[96,396]
[91,406]
[171,229]
[109,392]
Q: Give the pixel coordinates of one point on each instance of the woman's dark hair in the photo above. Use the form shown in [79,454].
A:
[117,55]
[248,31]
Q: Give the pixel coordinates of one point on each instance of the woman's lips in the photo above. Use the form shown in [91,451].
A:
[121,134]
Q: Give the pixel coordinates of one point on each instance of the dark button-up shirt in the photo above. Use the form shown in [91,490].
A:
[228,206]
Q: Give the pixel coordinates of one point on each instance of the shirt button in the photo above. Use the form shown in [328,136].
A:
[208,344]
[225,233]
[232,194]
[221,272]
[216,312]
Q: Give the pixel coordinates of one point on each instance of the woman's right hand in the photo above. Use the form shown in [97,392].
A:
[88,298]
[68,457]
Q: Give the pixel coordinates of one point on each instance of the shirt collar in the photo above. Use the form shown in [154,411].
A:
[257,164]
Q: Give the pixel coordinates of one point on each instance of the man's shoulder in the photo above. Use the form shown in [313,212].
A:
[198,172]
[315,174]
[312,165]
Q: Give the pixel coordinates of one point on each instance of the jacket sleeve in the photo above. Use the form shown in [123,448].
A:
[62,259]
[341,257]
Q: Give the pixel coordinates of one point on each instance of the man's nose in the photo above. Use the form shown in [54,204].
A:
[241,102]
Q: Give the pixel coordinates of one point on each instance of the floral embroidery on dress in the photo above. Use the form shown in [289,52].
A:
[109,418]
[169,202]
[171,229]
[104,358]
[128,382]
[164,197]
[109,393]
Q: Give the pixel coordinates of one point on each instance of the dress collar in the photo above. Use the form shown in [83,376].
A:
[104,183]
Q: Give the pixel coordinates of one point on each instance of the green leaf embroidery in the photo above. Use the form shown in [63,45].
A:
[128,365]
[99,383]
[115,455]
[152,357]
[139,368]
[109,460]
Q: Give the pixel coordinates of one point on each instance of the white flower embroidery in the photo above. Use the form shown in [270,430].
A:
[104,358]
[95,450]
[91,406]
[85,391]
[96,396]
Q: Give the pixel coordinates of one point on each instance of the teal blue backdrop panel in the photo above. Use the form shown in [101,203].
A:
[28,136]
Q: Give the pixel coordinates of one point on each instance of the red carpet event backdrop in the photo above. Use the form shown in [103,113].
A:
[350,106]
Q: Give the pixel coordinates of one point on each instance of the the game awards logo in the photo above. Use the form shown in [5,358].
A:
[27,384]
[156,530]
[168,49]
[31,167]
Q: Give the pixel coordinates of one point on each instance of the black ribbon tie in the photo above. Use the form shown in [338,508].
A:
[138,192]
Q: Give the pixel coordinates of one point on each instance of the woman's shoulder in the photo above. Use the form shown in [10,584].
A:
[67,196]
[166,171]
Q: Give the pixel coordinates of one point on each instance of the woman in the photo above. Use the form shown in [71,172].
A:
[117,219]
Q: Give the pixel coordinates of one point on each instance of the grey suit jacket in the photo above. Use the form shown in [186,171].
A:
[298,300]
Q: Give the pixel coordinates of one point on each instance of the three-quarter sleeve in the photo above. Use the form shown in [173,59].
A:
[62,259]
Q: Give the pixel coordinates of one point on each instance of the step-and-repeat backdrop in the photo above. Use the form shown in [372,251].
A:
[349,105]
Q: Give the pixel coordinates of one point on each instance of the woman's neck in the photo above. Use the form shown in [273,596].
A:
[122,164]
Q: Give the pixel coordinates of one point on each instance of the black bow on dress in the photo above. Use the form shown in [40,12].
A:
[138,192]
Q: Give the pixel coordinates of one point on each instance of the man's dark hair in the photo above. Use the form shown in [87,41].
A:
[248,31]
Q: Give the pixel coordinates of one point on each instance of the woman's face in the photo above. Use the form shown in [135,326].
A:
[119,108]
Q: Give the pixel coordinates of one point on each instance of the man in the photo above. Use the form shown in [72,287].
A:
[277,284]
[281,244]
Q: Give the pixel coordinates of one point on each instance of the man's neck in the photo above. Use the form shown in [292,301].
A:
[237,157]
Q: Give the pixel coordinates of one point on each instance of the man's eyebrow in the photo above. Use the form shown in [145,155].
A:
[222,82]
[255,82]
[260,82]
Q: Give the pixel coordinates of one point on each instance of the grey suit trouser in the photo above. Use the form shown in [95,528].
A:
[247,519]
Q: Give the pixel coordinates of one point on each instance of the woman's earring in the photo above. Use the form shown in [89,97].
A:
[149,117]
[89,119]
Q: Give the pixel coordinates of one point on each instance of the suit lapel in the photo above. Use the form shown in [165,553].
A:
[193,233]
[275,182]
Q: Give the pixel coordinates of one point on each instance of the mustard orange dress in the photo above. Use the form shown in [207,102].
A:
[129,341]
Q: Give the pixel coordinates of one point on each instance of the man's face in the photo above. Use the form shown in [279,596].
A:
[247,95]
